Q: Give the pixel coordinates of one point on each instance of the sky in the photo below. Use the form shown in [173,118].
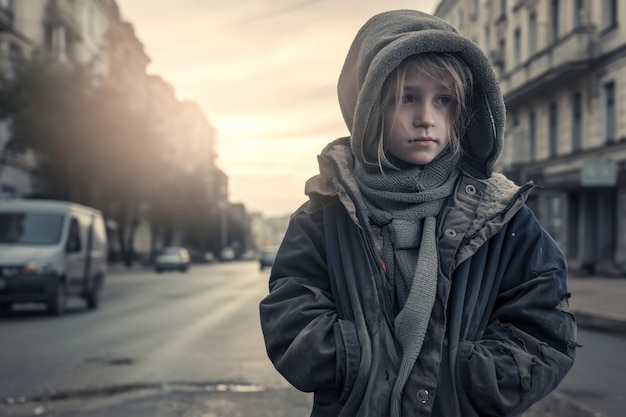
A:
[265,73]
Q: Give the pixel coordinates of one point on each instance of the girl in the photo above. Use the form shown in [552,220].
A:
[415,281]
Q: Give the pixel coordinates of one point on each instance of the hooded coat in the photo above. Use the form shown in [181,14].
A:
[500,336]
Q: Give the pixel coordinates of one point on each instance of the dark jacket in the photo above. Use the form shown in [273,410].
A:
[500,337]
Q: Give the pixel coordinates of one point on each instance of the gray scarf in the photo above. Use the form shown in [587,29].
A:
[412,197]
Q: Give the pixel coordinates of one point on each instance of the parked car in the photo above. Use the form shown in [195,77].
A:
[249,255]
[50,250]
[267,256]
[172,258]
[227,254]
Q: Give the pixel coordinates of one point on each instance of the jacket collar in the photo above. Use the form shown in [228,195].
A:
[494,200]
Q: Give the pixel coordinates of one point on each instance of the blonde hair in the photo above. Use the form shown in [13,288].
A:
[445,68]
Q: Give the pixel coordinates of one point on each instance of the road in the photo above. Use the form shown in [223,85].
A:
[189,344]
[599,372]
[171,344]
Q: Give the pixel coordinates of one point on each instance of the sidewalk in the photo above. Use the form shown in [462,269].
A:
[599,302]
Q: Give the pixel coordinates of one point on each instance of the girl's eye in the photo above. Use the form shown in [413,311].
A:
[444,100]
[406,98]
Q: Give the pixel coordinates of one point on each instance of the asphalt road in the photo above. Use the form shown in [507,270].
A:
[171,344]
[598,377]
[190,345]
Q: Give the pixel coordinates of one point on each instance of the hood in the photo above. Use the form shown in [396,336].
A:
[382,44]
[22,254]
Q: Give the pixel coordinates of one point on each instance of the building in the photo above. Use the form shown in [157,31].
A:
[73,32]
[14,178]
[268,231]
[93,32]
[562,70]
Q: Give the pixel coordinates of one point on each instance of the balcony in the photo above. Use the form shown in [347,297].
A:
[560,63]
[63,13]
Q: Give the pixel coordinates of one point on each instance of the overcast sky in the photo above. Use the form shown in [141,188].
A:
[265,73]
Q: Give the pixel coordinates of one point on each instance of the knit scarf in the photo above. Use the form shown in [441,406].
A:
[411,199]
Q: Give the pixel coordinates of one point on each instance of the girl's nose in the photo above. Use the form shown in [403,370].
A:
[424,117]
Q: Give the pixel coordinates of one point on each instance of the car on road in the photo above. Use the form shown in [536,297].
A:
[267,256]
[172,258]
[49,251]
[227,254]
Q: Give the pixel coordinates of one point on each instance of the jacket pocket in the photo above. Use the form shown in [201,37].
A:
[348,353]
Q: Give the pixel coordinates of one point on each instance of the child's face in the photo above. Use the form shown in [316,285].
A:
[417,127]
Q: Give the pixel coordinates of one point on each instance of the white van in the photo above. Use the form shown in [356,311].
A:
[50,250]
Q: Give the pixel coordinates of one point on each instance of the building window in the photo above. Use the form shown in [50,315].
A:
[555,20]
[55,39]
[517,144]
[501,54]
[610,13]
[92,21]
[532,33]
[532,136]
[15,57]
[554,221]
[579,13]
[517,39]
[553,130]
[503,8]
[475,9]
[577,121]
[573,214]
[487,39]
[610,122]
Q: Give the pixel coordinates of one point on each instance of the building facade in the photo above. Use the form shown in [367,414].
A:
[14,178]
[562,69]
[73,31]
[93,32]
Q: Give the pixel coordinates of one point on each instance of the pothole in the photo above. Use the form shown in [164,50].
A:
[106,360]
[111,391]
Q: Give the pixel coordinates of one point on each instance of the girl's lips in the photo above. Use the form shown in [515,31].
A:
[425,141]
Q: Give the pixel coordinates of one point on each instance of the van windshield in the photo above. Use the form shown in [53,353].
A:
[30,228]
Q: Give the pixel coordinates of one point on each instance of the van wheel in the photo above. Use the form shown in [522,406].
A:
[92,298]
[56,304]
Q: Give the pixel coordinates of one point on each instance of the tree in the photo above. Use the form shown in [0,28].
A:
[92,146]
[43,101]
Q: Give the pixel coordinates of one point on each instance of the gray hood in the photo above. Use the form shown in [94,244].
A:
[382,44]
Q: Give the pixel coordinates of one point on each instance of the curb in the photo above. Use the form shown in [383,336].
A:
[594,320]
